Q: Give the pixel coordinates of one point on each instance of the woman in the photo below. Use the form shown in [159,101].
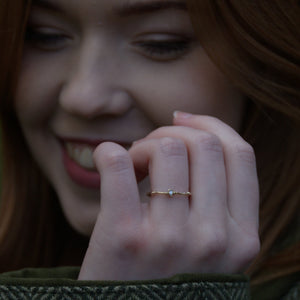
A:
[95,73]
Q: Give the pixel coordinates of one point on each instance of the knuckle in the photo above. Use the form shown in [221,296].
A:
[255,247]
[245,152]
[247,251]
[128,243]
[172,146]
[117,160]
[216,247]
[214,244]
[209,142]
[169,242]
[252,247]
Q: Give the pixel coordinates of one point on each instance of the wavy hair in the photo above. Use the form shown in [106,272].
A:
[31,222]
[257,46]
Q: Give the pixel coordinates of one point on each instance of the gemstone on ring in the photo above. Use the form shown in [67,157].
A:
[171,192]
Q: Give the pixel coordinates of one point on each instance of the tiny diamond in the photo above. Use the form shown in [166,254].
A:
[171,193]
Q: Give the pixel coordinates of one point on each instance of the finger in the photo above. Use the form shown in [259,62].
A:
[119,192]
[207,172]
[243,191]
[120,211]
[167,161]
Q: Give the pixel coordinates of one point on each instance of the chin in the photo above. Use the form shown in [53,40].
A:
[83,227]
[80,207]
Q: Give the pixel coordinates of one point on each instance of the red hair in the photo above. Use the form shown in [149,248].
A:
[32,226]
[256,44]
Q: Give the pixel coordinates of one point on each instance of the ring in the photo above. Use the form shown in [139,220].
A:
[169,193]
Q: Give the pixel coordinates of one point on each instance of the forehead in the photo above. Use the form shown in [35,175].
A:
[120,7]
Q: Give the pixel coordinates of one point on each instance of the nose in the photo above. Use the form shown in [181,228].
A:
[92,86]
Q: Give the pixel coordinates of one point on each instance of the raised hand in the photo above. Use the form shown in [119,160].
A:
[214,230]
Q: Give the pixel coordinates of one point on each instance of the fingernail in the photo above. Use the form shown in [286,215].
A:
[181,115]
[137,142]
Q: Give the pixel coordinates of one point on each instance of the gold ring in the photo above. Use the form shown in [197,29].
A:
[169,193]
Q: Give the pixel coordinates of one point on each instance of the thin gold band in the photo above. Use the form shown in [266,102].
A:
[169,193]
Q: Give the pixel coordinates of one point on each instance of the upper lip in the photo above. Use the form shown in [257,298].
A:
[93,142]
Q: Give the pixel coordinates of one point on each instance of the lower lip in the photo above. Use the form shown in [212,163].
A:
[81,176]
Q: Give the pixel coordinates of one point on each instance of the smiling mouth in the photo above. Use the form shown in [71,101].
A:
[79,163]
[82,155]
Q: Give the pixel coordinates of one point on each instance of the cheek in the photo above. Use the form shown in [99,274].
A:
[36,92]
[193,85]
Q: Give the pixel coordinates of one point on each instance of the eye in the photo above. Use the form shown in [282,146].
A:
[163,48]
[46,38]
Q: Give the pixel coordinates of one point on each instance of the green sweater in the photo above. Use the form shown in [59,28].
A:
[61,283]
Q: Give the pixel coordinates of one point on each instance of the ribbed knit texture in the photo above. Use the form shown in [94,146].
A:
[61,284]
[196,290]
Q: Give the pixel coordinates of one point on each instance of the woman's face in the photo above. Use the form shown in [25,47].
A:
[99,70]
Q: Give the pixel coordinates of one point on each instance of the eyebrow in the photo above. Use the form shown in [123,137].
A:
[127,9]
[149,7]
[47,4]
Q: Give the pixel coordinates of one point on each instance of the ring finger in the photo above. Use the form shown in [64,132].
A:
[167,162]
[208,181]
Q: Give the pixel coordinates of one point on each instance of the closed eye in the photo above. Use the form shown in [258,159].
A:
[163,49]
[46,38]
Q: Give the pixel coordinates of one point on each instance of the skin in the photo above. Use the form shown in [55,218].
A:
[97,81]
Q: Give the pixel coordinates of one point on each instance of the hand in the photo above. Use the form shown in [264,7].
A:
[216,230]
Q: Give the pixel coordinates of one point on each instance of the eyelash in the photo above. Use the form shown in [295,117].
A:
[45,41]
[164,49]
[160,50]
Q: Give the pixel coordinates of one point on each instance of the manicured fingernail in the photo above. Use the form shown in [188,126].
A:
[181,115]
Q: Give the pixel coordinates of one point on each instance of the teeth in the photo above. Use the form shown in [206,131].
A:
[82,155]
